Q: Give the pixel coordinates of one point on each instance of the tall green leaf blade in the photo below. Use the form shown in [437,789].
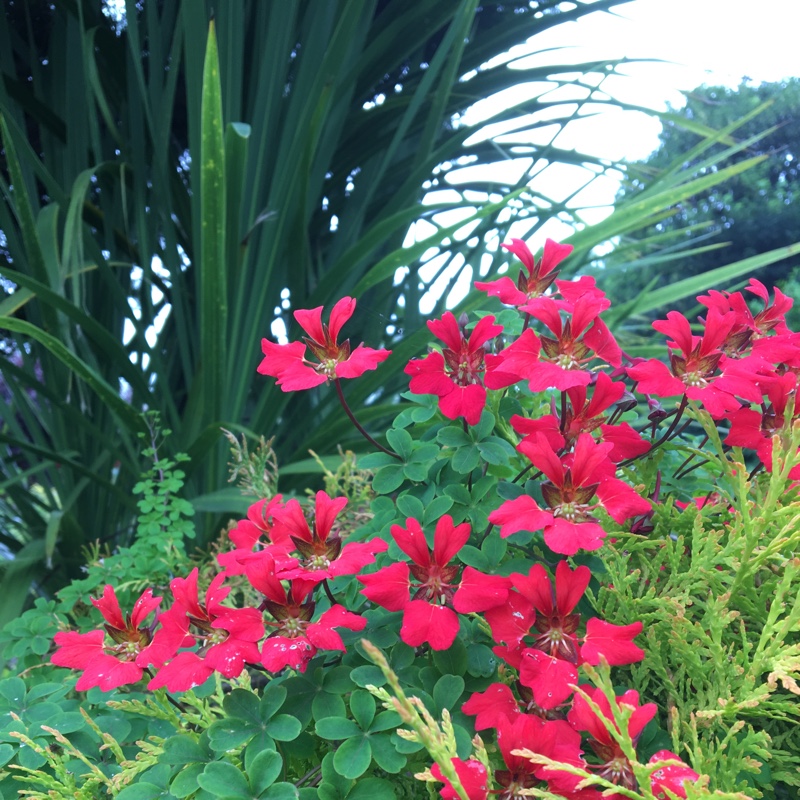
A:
[213,280]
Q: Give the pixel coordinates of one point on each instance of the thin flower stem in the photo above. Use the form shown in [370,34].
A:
[328,592]
[671,429]
[358,425]
[692,468]
[689,459]
[677,418]
[563,421]
[523,472]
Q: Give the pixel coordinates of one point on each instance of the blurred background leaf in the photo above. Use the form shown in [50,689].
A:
[158,220]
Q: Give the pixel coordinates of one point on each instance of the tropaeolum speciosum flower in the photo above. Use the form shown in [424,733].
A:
[572,482]
[334,360]
[440,589]
[540,274]
[460,374]
[295,637]
[538,629]
[110,665]
[614,765]
[227,637]
[321,553]
[699,369]
[560,361]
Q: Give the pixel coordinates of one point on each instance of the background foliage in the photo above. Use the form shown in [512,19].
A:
[161,210]
[746,215]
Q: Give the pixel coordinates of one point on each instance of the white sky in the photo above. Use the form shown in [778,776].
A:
[717,42]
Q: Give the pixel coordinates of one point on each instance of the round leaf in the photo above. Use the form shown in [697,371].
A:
[336,728]
[353,757]
[284,727]
[264,769]
[222,779]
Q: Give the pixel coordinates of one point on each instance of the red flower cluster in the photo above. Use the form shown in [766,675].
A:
[287,362]
[741,366]
[195,638]
[441,588]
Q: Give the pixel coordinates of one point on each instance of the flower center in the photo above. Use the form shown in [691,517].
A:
[694,379]
[318,562]
[293,627]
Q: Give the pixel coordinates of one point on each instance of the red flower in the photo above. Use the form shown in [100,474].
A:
[700,371]
[559,361]
[581,416]
[540,275]
[554,739]
[755,429]
[113,665]
[615,767]
[322,555]
[227,636]
[748,327]
[573,481]
[256,533]
[287,362]
[458,374]
[429,616]
[671,777]
[295,639]
[472,775]
[490,706]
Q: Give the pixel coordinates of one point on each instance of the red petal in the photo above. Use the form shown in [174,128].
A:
[521,514]
[183,673]
[567,538]
[495,703]
[107,673]
[505,289]
[513,620]
[484,330]
[325,511]
[570,586]
[612,642]
[464,401]
[361,360]
[108,605]
[447,330]
[448,539]
[310,320]
[471,774]
[340,313]
[388,587]
[76,650]
[549,678]
[479,592]
[425,622]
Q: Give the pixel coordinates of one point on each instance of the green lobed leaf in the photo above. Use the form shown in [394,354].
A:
[385,755]
[185,782]
[182,749]
[388,479]
[336,728]
[283,791]
[222,779]
[284,727]
[465,459]
[264,770]
[362,707]
[372,789]
[353,757]
[447,691]
[452,661]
